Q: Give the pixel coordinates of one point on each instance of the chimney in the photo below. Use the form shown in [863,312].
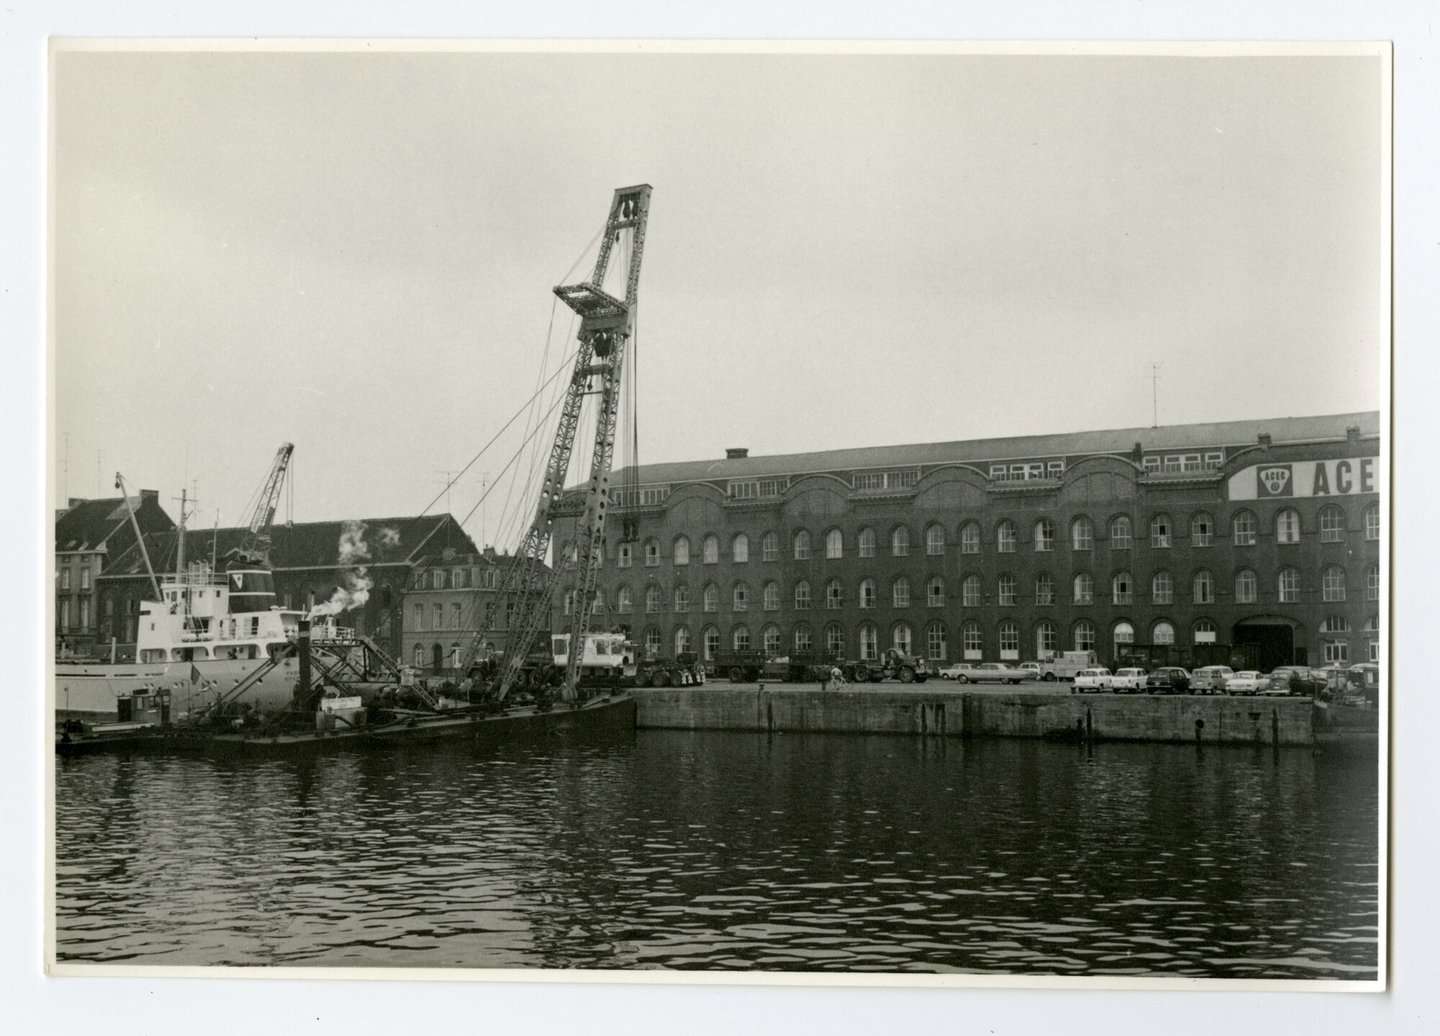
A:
[1352,433]
[737,453]
[152,495]
[1264,440]
[1137,453]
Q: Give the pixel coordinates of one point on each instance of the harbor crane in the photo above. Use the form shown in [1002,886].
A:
[255,549]
[607,325]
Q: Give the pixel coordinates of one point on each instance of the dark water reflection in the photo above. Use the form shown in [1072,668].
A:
[730,851]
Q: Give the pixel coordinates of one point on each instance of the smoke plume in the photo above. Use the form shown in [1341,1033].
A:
[354,589]
[388,538]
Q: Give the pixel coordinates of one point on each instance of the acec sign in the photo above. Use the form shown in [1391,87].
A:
[1348,477]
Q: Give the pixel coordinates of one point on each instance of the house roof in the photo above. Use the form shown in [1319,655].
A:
[90,523]
[1119,441]
[308,544]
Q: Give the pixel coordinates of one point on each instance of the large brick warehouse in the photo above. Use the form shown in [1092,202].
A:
[1263,534]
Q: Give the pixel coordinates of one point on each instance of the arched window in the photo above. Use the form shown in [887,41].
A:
[1122,588]
[1203,631]
[1372,583]
[934,540]
[970,592]
[1084,635]
[680,550]
[1242,529]
[437,657]
[652,553]
[1084,588]
[1006,586]
[802,637]
[1372,522]
[1121,532]
[935,641]
[971,642]
[770,640]
[1082,534]
[740,638]
[682,639]
[1332,525]
[901,638]
[900,593]
[867,593]
[652,599]
[834,544]
[770,597]
[740,597]
[1044,589]
[1044,535]
[1005,537]
[1202,529]
[1202,586]
[710,643]
[899,541]
[1287,526]
[869,642]
[835,640]
[802,545]
[624,554]
[710,598]
[1162,588]
[970,538]
[866,542]
[1245,586]
[834,594]
[935,592]
[802,596]
[598,608]
[622,600]
[1009,641]
[710,550]
[652,642]
[1332,584]
[1160,531]
[1121,634]
[682,598]
[1046,640]
[1162,633]
[419,656]
[769,547]
[740,549]
[1289,583]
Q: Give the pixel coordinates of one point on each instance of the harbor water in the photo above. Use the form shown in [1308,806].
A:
[717,850]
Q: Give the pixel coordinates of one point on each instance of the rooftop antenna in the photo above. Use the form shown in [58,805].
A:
[1154,395]
[450,477]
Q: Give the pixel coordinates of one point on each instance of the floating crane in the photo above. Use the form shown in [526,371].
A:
[607,325]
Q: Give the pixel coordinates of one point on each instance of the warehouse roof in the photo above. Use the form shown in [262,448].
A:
[1119,441]
[88,524]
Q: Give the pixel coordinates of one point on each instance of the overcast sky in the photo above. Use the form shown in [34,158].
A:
[355,251]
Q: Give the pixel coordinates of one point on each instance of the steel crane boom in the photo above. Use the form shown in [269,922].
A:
[607,325]
[256,547]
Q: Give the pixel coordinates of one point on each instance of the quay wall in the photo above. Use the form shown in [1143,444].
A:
[909,709]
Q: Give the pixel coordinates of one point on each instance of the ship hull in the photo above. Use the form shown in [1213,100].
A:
[90,692]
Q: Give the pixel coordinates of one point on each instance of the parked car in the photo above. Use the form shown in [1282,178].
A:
[1168,679]
[1095,679]
[995,672]
[1279,684]
[1033,667]
[1127,680]
[1210,679]
[952,672]
[1246,681]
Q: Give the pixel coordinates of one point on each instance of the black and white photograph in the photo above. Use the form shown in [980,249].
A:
[722,512]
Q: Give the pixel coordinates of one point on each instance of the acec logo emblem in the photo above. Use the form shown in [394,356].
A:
[1274,480]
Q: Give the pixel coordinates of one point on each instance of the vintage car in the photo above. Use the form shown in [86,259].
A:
[1210,679]
[1094,680]
[1246,681]
[952,672]
[1169,679]
[1127,680]
[995,672]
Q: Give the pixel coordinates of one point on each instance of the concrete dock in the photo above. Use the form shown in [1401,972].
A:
[942,711]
